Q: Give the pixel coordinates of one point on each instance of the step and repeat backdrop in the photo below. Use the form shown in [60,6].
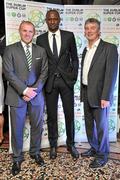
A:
[72,19]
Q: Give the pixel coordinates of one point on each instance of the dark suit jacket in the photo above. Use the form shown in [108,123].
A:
[16,72]
[102,74]
[67,64]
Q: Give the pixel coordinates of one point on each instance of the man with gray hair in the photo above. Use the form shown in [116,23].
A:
[98,76]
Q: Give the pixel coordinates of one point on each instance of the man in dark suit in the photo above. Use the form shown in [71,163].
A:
[98,77]
[62,75]
[25,68]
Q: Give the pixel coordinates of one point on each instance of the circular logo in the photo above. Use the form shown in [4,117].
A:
[93,15]
[26,133]
[77,126]
[112,39]
[78,43]
[77,87]
[61,128]
[37,18]
[111,125]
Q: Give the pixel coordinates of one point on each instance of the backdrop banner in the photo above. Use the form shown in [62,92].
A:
[72,19]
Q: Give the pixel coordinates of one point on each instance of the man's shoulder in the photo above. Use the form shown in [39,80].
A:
[42,35]
[108,44]
[12,47]
[66,32]
[39,48]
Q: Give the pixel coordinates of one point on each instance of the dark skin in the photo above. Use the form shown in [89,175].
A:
[53,20]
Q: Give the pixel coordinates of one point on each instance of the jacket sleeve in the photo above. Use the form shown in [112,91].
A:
[110,72]
[9,71]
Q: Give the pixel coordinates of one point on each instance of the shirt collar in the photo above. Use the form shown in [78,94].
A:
[24,44]
[95,44]
[51,33]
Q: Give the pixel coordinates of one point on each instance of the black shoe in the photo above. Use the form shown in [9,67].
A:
[16,167]
[89,153]
[98,162]
[73,151]
[38,159]
[53,153]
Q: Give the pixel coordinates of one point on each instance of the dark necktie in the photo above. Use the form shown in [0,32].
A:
[55,52]
[29,57]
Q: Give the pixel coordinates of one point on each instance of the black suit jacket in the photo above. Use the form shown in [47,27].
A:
[102,74]
[67,64]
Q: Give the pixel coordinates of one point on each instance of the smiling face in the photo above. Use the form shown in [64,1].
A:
[92,31]
[53,20]
[27,32]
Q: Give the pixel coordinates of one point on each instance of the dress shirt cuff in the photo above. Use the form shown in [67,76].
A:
[24,92]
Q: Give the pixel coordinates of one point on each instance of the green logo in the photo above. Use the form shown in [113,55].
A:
[37,18]
[93,15]
[77,87]
[61,128]
[111,125]
[78,43]
[112,39]
[25,134]
[77,126]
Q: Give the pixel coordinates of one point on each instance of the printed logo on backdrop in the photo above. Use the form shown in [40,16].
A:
[77,126]
[112,39]
[37,18]
[61,128]
[111,125]
[93,15]
[77,87]
[26,133]
[13,37]
[78,44]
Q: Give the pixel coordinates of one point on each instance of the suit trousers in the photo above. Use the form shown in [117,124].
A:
[96,124]
[18,118]
[67,97]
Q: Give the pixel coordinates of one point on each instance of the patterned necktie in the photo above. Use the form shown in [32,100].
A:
[55,52]
[29,57]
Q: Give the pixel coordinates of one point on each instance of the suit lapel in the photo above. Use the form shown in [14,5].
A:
[83,56]
[33,54]
[23,56]
[97,53]
[62,44]
[47,46]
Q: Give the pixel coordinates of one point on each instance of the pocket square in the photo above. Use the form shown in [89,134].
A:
[38,58]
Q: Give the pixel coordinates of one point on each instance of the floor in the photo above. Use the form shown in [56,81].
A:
[63,167]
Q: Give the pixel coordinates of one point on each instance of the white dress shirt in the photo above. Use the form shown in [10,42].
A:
[1,88]
[58,40]
[87,61]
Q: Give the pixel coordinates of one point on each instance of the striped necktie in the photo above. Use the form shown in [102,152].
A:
[29,57]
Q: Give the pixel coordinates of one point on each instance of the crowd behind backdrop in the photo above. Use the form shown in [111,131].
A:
[72,19]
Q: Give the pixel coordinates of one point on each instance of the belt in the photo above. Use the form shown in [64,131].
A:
[57,75]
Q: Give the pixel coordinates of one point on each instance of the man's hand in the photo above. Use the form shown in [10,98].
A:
[30,93]
[26,98]
[104,103]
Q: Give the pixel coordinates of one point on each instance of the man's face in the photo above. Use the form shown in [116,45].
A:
[53,20]
[27,32]
[92,31]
